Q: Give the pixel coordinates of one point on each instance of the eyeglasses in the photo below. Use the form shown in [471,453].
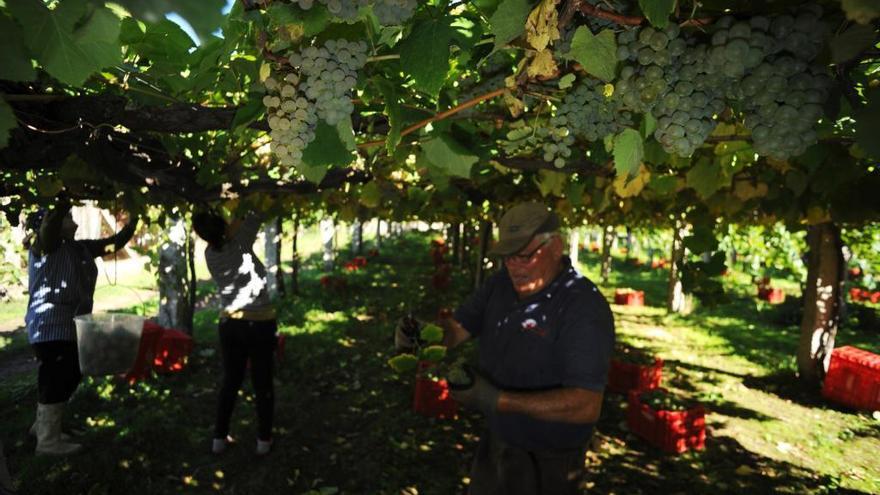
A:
[527,257]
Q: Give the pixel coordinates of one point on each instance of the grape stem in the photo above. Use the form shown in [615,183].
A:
[440,116]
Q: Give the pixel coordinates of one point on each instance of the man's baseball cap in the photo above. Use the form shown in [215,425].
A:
[520,224]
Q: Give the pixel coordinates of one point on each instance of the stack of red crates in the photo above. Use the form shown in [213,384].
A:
[771,295]
[431,397]
[853,378]
[623,376]
[172,351]
[143,364]
[629,297]
[670,431]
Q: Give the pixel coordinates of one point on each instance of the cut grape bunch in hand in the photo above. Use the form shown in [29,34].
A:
[423,344]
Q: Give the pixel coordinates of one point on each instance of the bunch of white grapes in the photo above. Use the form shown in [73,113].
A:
[389,12]
[317,87]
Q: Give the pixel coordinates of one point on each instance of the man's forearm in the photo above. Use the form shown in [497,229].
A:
[565,405]
[453,333]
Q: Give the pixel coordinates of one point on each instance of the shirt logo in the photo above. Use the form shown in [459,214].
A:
[530,325]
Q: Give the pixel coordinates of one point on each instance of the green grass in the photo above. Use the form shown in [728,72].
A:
[344,419]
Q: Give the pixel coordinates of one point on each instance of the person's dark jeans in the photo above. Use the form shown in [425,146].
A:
[58,375]
[501,469]
[241,340]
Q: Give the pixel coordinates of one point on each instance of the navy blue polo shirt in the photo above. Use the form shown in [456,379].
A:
[561,337]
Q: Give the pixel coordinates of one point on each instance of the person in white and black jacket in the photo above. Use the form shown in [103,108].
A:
[248,325]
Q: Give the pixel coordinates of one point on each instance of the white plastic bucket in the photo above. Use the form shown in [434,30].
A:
[108,342]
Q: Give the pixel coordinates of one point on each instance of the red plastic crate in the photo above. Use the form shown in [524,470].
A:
[623,376]
[143,364]
[431,398]
[853,378]
[172,351]
[629,297]
[671,431]
[771,295]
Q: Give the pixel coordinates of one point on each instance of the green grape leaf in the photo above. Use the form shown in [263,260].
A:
[702,239]
[867,123]
[346,134]
[597,54]
[574,193]
[433,353]
[99,37]
[7,122]
[648,125]
[249,112]
[425,53]
[850,43]
[431,333]
[657,11]
[163,42]
[663,185]
[371,196]
[311,21]
[205,16]
[48,187]
[550,182]
[15,63]
[566,81]
[654,152]
[861,11]
[71,42]
[325,151]
[449,155]
[796,181]
[706,178]
[392,110]
[403,363]
[313,173]
[629,151]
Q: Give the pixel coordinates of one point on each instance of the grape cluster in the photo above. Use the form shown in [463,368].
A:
[347,10]
[318,87]
[648,73]
[329,74]
[783,95]
[389,12]
[554,143]
[589,114]
[394,12]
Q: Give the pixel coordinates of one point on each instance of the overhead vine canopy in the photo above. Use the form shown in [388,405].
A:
[615,109]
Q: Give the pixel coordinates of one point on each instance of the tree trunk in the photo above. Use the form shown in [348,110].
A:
[274,270]
[294,262]
[821,302]
[174,307]
[463,247]
[608,234]
[676,302]
[573,247]
[357,237]
[485,237]
[456,243]
[191,279]
[328,231]
[378,233]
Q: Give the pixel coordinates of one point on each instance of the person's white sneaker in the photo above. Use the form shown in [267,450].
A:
[263,446]
[218,445]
